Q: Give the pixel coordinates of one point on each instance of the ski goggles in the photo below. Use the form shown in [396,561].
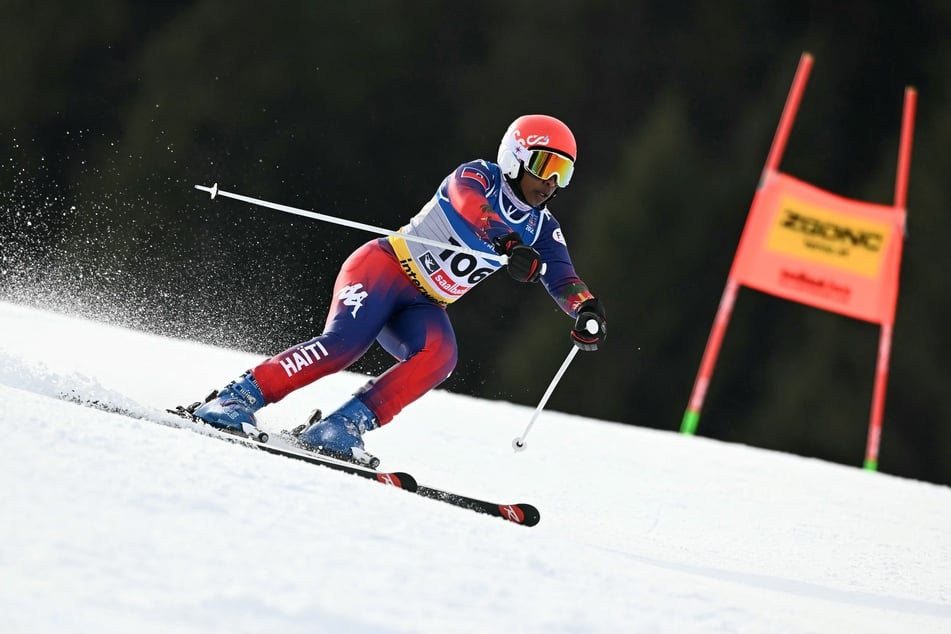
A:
[544,164]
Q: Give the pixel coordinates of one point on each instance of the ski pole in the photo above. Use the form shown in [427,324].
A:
[518,444]
[214,191]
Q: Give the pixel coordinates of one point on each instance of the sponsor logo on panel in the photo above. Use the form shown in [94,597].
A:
[819,235]
[818,286]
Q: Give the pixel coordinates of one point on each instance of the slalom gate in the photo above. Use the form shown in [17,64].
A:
[807,245]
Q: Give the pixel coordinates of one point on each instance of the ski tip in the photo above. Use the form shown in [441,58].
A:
[524,514]
[532,516]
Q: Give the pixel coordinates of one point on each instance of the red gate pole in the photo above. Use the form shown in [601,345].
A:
[712,350]
[885,336]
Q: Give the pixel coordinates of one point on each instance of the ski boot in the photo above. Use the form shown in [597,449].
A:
[232,408]
[340,434]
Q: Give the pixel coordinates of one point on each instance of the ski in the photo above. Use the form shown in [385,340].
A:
[522,513]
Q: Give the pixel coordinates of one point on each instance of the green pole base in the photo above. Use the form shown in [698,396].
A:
[689,424]
[871,465]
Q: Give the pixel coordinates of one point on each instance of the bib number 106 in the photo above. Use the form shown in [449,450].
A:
[464,265]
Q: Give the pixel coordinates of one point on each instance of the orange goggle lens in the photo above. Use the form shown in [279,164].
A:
[545,164]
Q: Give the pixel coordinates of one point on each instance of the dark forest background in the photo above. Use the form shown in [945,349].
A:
[112,111]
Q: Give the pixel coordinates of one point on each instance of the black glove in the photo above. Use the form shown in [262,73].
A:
[524,263]
[581,336]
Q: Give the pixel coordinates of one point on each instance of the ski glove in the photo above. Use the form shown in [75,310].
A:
[581,336]
[524,264]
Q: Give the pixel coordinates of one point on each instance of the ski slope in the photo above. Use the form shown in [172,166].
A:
[117,524]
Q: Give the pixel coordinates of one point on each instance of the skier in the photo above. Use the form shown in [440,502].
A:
[395,291]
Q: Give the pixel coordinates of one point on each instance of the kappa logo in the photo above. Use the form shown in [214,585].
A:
[353,296]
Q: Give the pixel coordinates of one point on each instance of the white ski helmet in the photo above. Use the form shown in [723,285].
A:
[543,145]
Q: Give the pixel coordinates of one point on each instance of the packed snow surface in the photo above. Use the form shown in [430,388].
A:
[112,523]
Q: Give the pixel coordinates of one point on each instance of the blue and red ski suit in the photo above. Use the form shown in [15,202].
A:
[395,291]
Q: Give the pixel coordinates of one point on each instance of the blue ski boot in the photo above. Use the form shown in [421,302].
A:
[340,434]
[232,408]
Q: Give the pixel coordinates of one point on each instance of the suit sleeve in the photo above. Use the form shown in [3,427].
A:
[560,279]
[467,189]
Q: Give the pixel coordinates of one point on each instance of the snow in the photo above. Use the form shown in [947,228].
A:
[113,523]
